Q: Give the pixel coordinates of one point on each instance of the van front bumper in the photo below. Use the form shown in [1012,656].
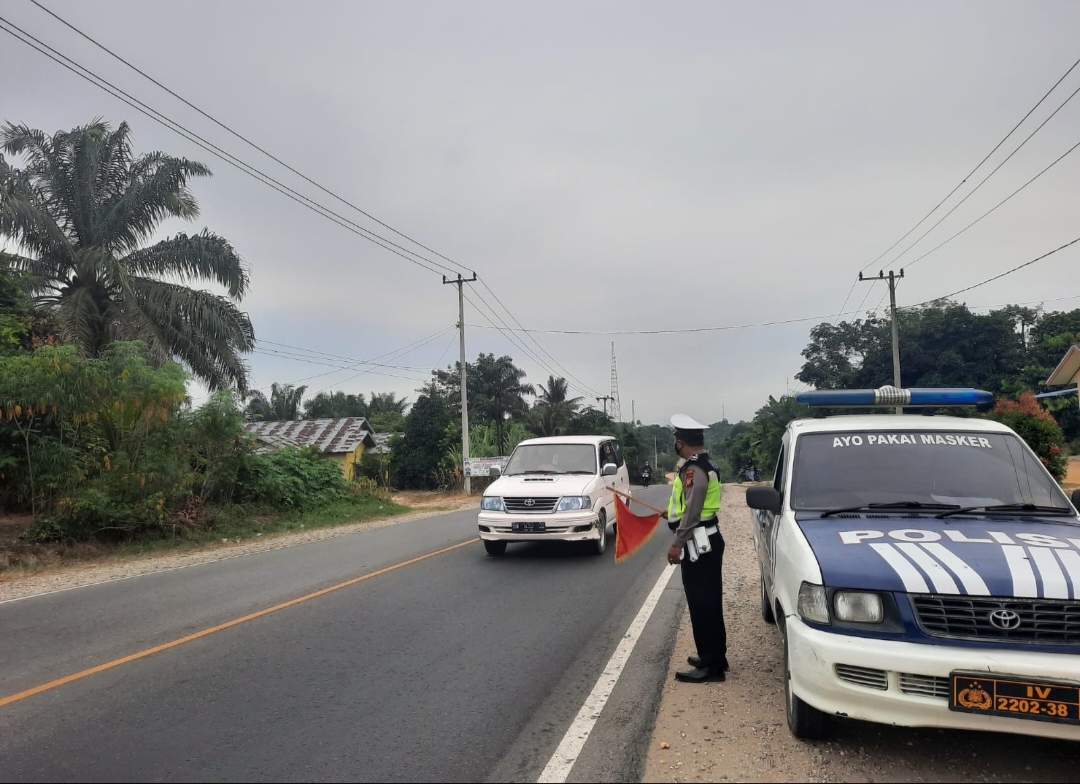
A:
[559,526]
[908,683]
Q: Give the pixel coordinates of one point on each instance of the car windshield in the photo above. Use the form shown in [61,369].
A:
[552,459]
[856,468]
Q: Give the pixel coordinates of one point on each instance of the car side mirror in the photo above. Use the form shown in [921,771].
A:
[1075,498]
[495,472]
[609,469]
[764,498]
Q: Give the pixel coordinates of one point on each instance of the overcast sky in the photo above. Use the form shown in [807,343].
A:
[602,166]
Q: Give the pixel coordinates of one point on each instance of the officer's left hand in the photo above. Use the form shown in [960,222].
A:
[673,554]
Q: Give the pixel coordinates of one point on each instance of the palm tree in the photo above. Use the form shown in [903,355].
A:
[283,404]
[81,212]
[554,409]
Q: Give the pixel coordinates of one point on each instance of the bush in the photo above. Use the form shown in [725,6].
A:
[1037,427]
[289,478]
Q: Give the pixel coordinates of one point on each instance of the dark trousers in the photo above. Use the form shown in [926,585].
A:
[703,582]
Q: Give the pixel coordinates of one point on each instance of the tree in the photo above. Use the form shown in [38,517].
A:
[554,407]
[83,208]
[416,457]
[283,404]
[496,391]
[1037,427]
[941,345]
[335,405]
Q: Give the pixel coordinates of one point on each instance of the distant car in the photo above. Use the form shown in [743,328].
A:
[924,571]
[556,488]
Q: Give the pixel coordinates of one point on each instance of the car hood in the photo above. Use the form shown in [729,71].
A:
[539,485]
[1016,556]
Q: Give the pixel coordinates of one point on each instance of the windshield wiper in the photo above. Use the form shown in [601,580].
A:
[579,471]
[1036,508]
[891,505]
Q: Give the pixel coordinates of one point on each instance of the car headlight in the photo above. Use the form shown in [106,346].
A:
[574,503]
[492,503]
[858,606]
[813,606]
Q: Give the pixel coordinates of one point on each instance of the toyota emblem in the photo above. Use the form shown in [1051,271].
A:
[1004,619]
[530,502]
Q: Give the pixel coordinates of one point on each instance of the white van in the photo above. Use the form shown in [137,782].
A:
[556,488]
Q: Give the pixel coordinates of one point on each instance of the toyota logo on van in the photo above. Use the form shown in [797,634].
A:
[530,502]
[1004,619]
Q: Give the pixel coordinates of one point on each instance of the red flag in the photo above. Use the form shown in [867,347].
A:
[631,530]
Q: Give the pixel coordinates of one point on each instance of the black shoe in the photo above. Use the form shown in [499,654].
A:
[695,661]
[700,675]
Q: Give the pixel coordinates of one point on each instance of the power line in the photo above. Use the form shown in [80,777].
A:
[293,358]
[984,160]
[238,135]
[965,179]
[996,206]
[232,160]
[987,177]
[566,372]
[247,168]
[1002,275]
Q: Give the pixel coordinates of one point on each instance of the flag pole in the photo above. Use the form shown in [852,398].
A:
[629,497]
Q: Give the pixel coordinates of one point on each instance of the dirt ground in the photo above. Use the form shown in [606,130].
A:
[736,730]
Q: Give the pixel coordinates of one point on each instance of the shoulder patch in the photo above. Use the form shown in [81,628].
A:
[689,480]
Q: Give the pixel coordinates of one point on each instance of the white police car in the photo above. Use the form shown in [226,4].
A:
[924,571]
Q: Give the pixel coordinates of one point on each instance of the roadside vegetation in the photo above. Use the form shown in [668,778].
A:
[102,328]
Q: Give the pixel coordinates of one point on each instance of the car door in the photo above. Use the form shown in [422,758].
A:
[770,522]
[623,482]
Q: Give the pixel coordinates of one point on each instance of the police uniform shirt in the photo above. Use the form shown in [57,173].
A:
[695,487]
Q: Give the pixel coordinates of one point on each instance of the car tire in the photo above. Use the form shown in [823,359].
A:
[494,548]
[804,722]
[600,545]
[767,614]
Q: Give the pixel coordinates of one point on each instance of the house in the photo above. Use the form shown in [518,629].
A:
[342,439]
[1066,374]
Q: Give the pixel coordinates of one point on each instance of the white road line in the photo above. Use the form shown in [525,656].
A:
[558,767]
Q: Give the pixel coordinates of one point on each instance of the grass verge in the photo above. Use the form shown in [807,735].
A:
[221,525]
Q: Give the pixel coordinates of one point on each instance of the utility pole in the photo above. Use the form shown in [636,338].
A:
[605,399]
[464,390]
[892,279]
[633,413]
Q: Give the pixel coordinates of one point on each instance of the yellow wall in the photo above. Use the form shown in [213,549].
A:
[348,460]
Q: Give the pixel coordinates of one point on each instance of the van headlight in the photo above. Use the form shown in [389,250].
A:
[492,503]
[813,606]
[858,606]
[574,503]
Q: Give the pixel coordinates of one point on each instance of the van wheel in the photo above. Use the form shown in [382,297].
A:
[766,609]
[494,548]
[804,721]
[600,545]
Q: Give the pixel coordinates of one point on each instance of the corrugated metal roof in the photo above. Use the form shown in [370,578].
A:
[333,436]
[382,444]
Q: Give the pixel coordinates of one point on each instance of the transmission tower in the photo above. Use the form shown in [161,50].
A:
[616,409]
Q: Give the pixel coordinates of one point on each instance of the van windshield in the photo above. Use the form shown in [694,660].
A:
[552,459]
[931,467]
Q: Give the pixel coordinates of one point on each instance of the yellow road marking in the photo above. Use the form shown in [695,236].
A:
[22,695]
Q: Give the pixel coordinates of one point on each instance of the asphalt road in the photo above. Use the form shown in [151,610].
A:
[459,667]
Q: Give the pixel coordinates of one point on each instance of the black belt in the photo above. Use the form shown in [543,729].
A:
[714,520]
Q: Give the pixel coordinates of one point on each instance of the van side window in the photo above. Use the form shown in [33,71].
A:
[618,453]
[607,454]
[778,476]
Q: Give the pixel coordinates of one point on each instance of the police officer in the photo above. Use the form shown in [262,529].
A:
[694,503]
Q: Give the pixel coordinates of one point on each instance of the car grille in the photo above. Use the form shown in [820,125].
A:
[1036,621]
[866,677]
[530,505]
[924,685]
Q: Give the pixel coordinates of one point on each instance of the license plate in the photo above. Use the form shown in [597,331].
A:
[528,528]
[1017,698]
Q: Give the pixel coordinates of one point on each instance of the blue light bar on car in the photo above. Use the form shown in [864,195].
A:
[891,396]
